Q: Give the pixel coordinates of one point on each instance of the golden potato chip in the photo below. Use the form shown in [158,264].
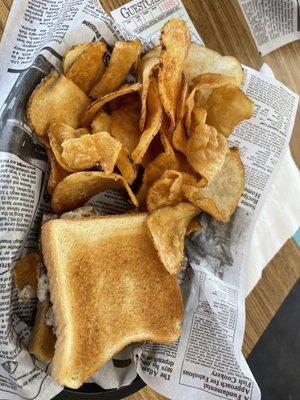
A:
[126,166]
[227,106]
[88,67]
[181,107]
[72,54]
[198,117]
[153,122]
[167,190]
[126,100]
[57,173]
[175,43]
[56,98]
[206,150]
[125,125]
[26,272]
[193,226]
[179,137]
[101,123]
[155,168]
[76,189]
[89,150]
[108,149]
[167,227]
[202,86]
[58,133]
[91,112]
[145,69]
[201,60]
[124,56]
[220,198]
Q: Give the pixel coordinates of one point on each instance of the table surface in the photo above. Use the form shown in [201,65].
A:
[223,28]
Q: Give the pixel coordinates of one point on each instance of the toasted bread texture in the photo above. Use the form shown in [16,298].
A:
[42,339]
[108,289]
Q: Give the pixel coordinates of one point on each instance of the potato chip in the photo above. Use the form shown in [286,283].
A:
[206,150]
[125,125]
[167,227]
[175,43]
[198,117]
[126,100]
[124,56]
[203,85]
[181,108]
[72,54]
[57,173]
[76,189]
[91,112]
[101,123]
[88,67]
[153,122]
[193,226]
[201,60]
[179,137]
[220,198]
[57,134]
[56,98]
[89,150]
[167,190]
[126,166]
[227,106]
[108,149]
[26,272]
[145,69]
[154,170]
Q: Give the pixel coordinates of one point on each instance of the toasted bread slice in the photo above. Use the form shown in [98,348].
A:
[108,289]
[42,339]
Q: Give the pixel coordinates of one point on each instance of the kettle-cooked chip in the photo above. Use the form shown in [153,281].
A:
[125,124]
[126,166]
[91,112]
[76,189]
[58,133]
[227,106]
[175,43]
[71,55]
[167,190]
[201,60]
[88,67]
[201,89]
[124,56]
[181,106]
[57,173]
[167,227]
[101,123]
[222,195]
[153,122]
[145,69]
[154,169]
[89,150]
[56,98]
[179,137]
[206,150]
[125,128]
[193,226]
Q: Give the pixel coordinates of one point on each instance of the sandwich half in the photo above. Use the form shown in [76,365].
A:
[108,289]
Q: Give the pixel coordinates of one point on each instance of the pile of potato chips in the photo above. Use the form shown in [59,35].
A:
[166,132]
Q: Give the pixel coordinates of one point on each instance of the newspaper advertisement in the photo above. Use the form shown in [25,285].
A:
[206,361]
[273,23]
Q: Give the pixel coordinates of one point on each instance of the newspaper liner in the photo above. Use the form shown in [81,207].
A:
[207,360]
[273,24]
